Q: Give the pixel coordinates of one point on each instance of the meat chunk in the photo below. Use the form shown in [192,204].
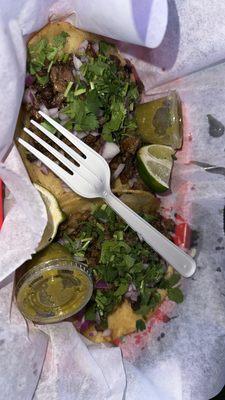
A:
[95,142]
[60,75]
[129,171]
[130,145]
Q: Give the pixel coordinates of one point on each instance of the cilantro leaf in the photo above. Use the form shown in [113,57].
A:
[118,113]
[89,122]
[90,313]
[42,53]
[175,294]
[112,247]
[172,281]
[104,47]
[122,289]
[140,325]
[48,126]
[93,102]
[43,80]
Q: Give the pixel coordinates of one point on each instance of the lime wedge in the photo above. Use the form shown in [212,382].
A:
[155,164]
[160,121]
[54,213]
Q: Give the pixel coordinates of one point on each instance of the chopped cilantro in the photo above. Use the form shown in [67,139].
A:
[105,47]
[175,294]
[90,313]
[140,325]
[43,54]
[122,261]
[104,96]
[172,281]
[48,126]
[118,113]
[68,88]
[77,246]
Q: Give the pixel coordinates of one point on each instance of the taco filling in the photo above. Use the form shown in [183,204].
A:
[86,85]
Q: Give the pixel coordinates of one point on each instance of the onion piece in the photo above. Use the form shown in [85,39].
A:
[109,150]
[132,293]
[84,59]
[63,117]
[44,109]
[80,135]
[118,171]
[106,332]
[83,46]
[29,96]
[29,80]
[76,62]
[132,181]
[96,47]
[53,112]
[102,285]
[94,134]
[85,325]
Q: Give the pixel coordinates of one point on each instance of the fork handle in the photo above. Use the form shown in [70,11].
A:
[176,257]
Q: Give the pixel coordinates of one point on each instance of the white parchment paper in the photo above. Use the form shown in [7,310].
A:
[188,361]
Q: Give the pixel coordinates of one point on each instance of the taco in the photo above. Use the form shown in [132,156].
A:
[83,82]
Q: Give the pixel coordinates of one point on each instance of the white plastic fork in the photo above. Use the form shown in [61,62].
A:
[90,177]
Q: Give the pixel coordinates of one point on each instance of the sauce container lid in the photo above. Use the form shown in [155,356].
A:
[52,286]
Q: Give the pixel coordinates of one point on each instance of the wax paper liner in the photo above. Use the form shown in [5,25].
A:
[171,207]
[187,362]
[1,203]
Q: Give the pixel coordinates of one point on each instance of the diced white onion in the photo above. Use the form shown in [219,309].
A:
[63,117]
[94,134]
[106,332]
[77,62]
[53,112]
[118,170]
[80,135]
[29,96]
[83,46]
[110,150]
[44,109]
[96,47]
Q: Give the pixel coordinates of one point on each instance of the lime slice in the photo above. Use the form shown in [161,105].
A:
[155,164]
[160,121]
[54,213]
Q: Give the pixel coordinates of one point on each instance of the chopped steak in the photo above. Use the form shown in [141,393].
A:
[95,142]
[130,145]
[128,171]
[60,75]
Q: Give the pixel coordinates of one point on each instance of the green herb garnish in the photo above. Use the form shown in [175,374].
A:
[140,325]
[122,260]
[108,97]
[175,294]
[43,54]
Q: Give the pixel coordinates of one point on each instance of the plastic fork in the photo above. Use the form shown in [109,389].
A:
[89,176]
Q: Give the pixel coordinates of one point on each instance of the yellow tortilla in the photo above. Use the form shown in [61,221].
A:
[123,320]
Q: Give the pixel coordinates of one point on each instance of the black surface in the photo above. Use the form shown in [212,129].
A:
[220,396]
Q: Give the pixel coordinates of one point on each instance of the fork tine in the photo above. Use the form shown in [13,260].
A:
[59,142]
[82,169]
[51,150]
[85,149]
[60,172]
